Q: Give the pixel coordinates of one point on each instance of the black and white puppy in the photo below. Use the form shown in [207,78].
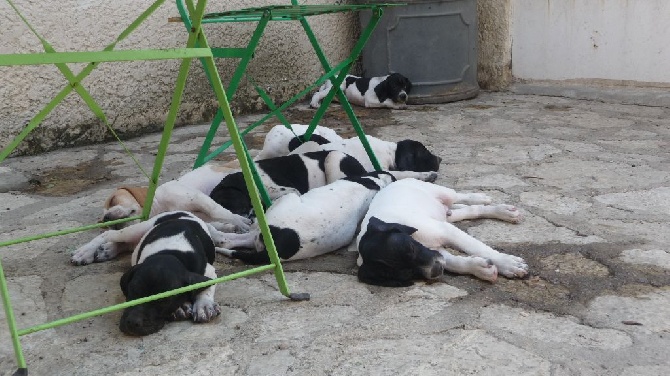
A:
[408,224]
[387,91]
[297,173]
[320,221]
[281,140]
[405,155]
[172,250]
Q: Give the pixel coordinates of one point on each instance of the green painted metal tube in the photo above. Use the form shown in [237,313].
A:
[174,109]
[356,51]
[116,307]
[102,56]
[68,231]
[11,320]
[246,169]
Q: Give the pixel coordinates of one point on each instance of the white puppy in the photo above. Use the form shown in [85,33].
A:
[190,193]
[409,223]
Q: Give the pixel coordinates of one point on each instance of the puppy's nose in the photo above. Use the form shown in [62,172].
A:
[403,96]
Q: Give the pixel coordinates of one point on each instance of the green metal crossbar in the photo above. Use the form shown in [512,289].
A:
[262,15]
[196,47]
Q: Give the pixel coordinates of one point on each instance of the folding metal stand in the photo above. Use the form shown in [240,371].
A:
[196,47]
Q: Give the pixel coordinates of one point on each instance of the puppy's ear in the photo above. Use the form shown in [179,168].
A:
[376,224]
[126,278]
[108,202]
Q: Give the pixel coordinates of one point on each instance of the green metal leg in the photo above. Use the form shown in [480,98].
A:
[232,86]
[186,55]
[356,51]
[11,321]
[246,168]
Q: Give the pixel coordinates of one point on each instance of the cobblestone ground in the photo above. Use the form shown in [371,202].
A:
[591,178]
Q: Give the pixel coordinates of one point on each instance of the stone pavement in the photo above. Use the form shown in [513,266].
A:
[593,182]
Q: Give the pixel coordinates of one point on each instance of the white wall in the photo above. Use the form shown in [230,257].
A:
[591,39]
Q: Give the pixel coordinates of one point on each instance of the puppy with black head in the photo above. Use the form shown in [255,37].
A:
[177,251]
[296,173]
[410,222]
[171,250]
[389,91]
[406,155]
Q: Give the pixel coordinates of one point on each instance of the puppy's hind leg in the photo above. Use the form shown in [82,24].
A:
[228,240]
[507,213]
[320,94]
[110,244]
[477,266]
[508,265]
[207,209]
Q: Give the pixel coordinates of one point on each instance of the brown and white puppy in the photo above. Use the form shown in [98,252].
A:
[190,193]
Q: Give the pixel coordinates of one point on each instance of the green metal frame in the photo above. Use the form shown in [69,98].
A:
[196,47]
[293,12]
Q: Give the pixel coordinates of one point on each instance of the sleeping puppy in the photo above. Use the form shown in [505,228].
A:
[388,91]
[190,193]
[281,140]
[172,250]
[320,221]
[405,155]
[296,173]
[409,223]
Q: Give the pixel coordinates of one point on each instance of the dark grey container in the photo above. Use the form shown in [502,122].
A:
[433,43]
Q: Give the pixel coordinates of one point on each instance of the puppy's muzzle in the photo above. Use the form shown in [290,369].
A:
[402,96]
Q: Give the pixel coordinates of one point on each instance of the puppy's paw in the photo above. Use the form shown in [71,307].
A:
[508,213]
[184,312]
[483,269]
[205,309]
[224,251]
[241,223]
[510,266]
[86,254]
[224,227]
[430,176]
[83,256]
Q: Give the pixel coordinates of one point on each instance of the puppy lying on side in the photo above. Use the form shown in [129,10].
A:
[410,221]
[387,91]
[297,173]
[320,221]
[171,250]
[405,155]
[280,140]
[190,193]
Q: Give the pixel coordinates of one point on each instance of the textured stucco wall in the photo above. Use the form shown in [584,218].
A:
[136,95]
[494,70]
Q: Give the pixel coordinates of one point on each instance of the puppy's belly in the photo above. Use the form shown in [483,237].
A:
[326,239]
